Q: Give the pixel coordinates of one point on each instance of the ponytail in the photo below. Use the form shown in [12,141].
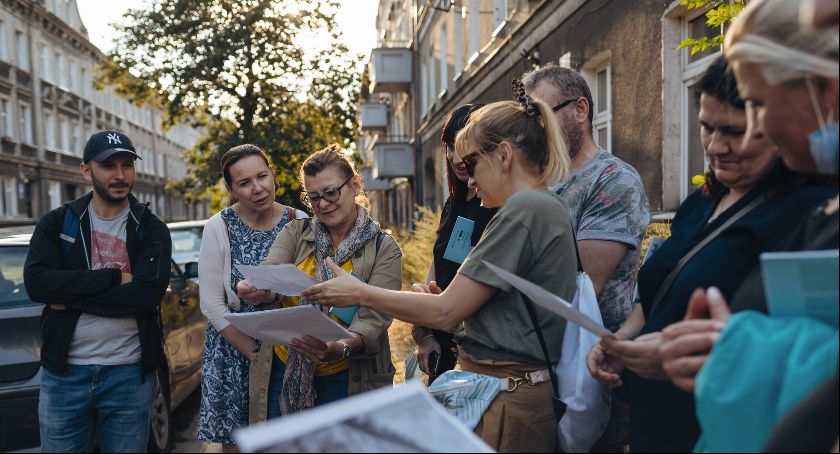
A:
[557,164]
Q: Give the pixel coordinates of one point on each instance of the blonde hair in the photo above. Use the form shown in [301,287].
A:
[768,34]
[332,156]
[538,137]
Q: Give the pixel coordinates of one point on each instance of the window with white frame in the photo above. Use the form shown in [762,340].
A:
[6,129]
[84,85]
[424,86]
[22,45]
[26,123]
[597,73]
[432,78]
[4,53]
[60,70]
[76,147]
[457,20]
[73,83]
[9,197]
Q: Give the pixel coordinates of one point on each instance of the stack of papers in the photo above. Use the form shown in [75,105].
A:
[285,279]
[280,326]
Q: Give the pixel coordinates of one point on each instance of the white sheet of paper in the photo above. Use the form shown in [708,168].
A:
[404,418]
[280,326]
[285,279]
[550,301]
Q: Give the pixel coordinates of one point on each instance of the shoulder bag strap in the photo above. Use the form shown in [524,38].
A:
[672,276]
[559,405]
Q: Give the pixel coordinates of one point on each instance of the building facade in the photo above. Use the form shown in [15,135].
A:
[642,83]
[49,107]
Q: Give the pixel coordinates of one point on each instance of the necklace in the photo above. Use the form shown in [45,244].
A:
[254,225]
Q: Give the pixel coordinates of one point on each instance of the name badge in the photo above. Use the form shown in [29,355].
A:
[460,242]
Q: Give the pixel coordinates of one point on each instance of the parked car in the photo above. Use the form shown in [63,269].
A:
[186,240]
[20,371]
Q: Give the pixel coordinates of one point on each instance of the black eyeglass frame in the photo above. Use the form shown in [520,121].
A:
[312,201]
[467,160]
[564,104]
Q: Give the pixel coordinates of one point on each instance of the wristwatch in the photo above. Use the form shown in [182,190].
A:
[346,352]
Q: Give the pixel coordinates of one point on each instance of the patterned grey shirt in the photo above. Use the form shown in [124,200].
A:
[606,201]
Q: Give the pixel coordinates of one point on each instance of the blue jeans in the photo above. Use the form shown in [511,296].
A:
[328,388]
[108,404]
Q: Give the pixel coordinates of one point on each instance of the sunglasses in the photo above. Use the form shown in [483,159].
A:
[471,160]
[331,195]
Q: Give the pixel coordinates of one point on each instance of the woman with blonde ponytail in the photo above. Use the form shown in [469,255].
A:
[511,151]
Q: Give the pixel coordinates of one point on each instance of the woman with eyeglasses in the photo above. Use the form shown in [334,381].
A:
[463,216]
[288,379]
[238,235]
[511,151]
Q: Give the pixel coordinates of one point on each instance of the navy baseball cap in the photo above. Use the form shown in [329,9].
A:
[104,144]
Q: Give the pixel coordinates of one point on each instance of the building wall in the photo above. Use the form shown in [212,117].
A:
[48,109]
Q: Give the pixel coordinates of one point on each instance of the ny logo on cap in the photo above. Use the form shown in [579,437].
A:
[114,139]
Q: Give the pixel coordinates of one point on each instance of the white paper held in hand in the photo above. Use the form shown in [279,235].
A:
[280,326]
[550,301]
[285,279]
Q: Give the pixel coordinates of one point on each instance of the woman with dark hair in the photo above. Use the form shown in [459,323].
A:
[238,235]
[462,203]
[752,205]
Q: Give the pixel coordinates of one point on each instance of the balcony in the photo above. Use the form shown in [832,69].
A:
[372,184]
[390,70]
[393,159]
[373,116]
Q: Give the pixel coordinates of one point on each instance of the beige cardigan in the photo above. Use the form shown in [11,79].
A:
[370,368]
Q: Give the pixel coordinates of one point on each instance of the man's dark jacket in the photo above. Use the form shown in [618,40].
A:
[52,279]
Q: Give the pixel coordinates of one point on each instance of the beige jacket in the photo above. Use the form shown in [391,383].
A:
[370,368]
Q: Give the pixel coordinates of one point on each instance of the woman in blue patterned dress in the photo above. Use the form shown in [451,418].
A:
[241,234]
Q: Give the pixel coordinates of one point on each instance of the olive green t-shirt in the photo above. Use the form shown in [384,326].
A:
[531,237]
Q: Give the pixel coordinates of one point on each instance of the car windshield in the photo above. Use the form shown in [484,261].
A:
[186,241]
[12,291]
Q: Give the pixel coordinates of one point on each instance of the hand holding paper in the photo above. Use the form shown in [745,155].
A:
[280,326]
[285,279]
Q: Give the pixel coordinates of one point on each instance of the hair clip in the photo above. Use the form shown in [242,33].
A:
[526,101]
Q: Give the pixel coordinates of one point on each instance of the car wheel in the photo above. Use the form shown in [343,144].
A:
[160,427]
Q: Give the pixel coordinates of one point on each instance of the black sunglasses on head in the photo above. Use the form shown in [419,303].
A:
[471,159]
[563,104]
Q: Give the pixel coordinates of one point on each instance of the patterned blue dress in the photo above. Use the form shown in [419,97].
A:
[224,388]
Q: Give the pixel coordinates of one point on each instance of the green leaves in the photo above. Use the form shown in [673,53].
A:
[720,13]
[237,69]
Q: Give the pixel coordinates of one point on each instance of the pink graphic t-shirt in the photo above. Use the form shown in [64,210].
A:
[106,340]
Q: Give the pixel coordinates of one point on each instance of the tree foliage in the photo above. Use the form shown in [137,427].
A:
[239,70]
[720,13]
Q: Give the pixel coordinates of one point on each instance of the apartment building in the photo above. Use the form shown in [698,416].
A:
[48,109]
[463,51]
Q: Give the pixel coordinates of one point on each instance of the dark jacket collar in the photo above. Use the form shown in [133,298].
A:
[139,211]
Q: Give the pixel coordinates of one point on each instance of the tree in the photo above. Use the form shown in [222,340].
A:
[238,69]
[720,13]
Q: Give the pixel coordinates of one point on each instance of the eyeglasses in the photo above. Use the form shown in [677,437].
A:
[331,195]
[563,104]
[471,159]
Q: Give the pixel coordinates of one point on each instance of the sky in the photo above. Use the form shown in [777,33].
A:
[357,17]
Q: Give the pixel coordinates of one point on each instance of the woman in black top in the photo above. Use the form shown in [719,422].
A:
[748,183]
[461,203]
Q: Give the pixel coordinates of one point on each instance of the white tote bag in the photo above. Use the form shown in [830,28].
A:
[587,401]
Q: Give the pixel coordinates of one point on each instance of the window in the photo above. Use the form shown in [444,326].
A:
[49,129]
[473,13]
[8,197]
[597,75]
[64,128]
[424,87]
[46,72]
[22,44]
[60,72]
[25,123]
[54,191]
[500,10]
[444,77]
[459,51]
[4,55]
[84,85]
[71,73]
[78,146]
[6,118]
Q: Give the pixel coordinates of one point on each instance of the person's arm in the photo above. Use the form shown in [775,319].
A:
[631,328]
[445,312]
[600,259]
[45,280]
[149,279]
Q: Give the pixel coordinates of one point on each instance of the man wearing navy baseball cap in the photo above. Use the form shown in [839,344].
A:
[100,265]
